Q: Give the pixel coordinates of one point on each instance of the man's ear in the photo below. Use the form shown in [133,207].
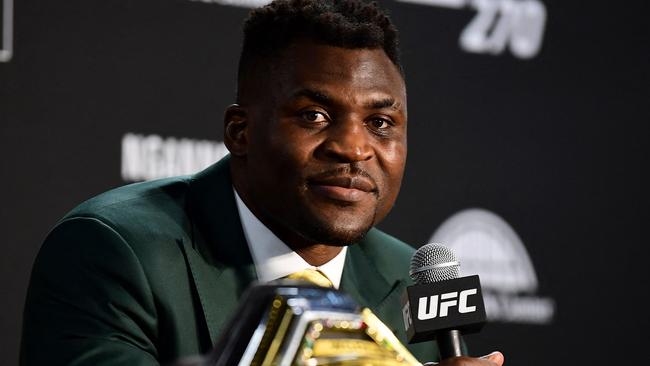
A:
[236,130]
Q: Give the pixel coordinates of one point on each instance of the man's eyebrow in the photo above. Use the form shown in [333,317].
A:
[321,97]
[315,95]
[387,102]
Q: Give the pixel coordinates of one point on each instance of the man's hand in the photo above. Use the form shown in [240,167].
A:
[493,359]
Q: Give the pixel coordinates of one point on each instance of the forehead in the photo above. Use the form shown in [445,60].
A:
[343,71]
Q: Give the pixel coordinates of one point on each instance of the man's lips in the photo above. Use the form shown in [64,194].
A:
[343,188]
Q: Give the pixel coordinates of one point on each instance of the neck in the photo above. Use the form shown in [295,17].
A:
[318,254]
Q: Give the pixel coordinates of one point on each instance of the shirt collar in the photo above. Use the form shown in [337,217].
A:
[273,259]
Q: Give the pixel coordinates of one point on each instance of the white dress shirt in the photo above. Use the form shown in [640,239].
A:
[272,258]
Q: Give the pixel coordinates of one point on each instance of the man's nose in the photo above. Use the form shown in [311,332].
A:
[347,141]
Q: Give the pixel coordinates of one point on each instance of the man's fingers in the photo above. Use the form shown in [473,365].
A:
[496,357]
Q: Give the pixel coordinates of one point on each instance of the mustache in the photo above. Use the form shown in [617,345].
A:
[352,171]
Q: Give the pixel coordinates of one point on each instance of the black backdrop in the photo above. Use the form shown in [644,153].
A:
[555,143]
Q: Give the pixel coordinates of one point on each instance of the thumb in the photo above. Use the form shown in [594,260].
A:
[496,357]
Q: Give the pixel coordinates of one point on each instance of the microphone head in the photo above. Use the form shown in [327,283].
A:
[433,263]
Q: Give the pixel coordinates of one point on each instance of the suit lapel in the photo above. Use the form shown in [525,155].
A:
[218,257]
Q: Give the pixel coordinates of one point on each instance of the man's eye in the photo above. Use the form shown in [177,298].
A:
[379,124]
[314,116]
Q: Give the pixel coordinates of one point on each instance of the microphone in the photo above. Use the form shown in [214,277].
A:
[441,305]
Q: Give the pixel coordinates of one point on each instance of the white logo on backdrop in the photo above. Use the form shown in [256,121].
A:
[486,245]
[499,24]
[6,48]
[146,157]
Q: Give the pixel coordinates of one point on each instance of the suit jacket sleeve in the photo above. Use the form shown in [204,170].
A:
[89,301]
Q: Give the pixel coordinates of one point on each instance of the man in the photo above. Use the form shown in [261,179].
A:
[149,273]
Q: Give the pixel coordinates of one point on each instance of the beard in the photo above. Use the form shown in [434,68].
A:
[331,233]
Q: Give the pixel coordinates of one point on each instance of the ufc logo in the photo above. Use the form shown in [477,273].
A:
[428,306]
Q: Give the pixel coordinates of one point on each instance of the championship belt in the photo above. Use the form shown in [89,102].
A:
[295,324]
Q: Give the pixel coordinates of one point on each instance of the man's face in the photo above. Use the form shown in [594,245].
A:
[326,142]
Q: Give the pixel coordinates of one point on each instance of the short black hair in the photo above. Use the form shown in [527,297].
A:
[341,23]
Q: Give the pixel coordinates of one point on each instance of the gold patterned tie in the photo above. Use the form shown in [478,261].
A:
[311,275]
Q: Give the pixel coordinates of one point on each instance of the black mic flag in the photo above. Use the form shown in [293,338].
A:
[441,306]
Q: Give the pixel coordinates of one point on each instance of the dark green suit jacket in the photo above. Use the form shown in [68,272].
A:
[150,272]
